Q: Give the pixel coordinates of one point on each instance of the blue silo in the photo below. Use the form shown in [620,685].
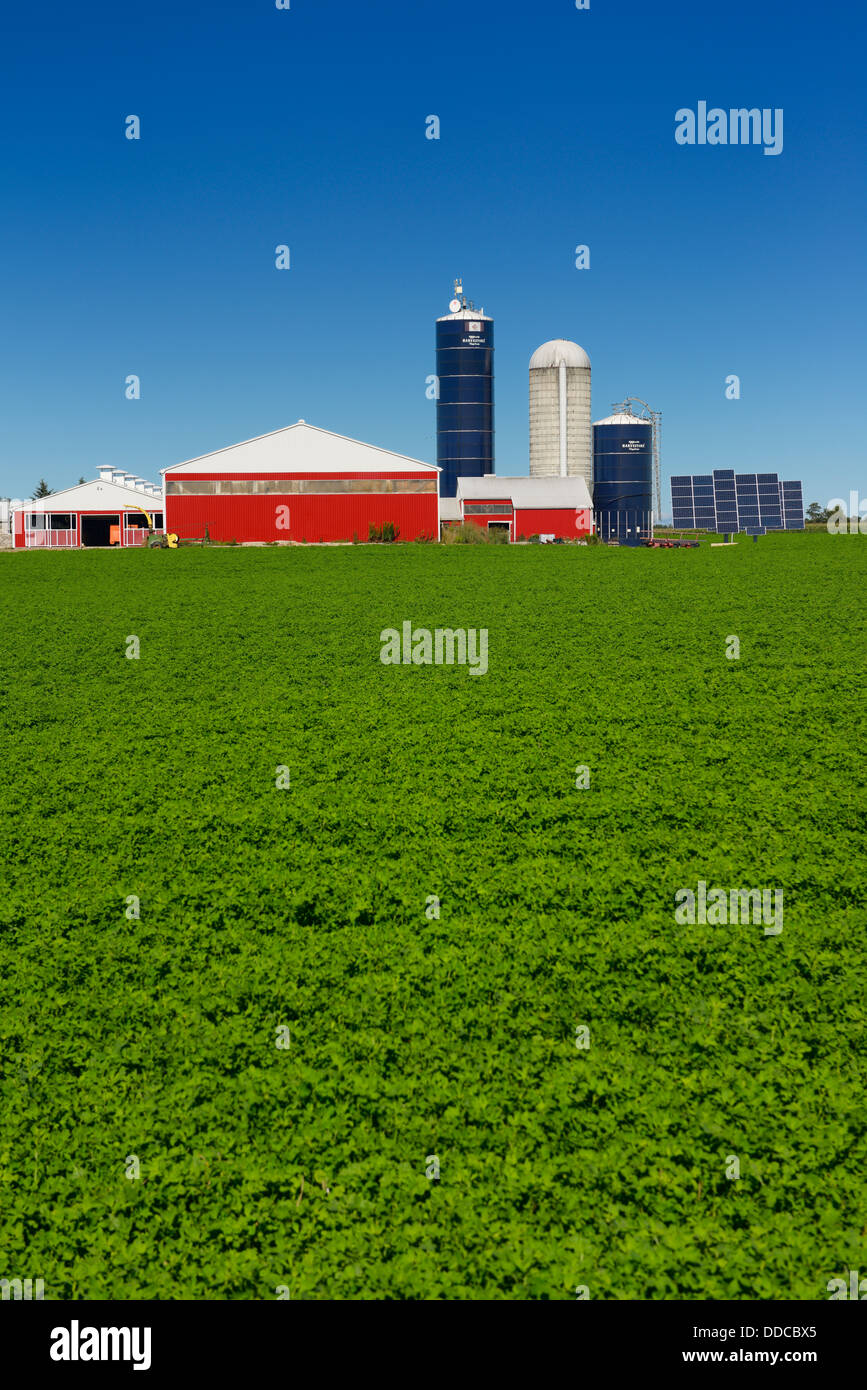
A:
[623,478]
[465,405]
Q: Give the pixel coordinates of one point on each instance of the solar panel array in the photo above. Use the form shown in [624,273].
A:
[725,501]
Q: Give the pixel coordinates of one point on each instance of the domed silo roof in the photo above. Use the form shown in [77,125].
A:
[623,418]
[559,352]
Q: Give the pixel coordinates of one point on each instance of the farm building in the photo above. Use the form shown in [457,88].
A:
[106,512]
[558,508]
[301,483]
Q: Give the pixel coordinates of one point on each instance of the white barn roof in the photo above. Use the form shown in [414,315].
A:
[528,492]
[97,496]
[301,448]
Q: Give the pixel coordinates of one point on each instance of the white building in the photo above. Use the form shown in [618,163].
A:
[115,509]
[8,505]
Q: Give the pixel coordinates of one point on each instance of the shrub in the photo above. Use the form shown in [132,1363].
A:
[384,534]
[465,534]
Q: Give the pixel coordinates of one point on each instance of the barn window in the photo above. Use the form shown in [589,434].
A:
[190,487]
[61,521]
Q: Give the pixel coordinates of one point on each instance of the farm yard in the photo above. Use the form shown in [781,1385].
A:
[333,977]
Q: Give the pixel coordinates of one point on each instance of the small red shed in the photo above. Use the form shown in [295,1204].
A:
[560,508]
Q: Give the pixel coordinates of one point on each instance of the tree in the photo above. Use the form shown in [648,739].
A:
[82,480]
[816,512]
[42,489]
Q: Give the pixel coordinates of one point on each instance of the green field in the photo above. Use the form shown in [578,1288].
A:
[410,1036]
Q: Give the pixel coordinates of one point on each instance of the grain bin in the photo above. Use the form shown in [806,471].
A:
[623,478]
[465,404]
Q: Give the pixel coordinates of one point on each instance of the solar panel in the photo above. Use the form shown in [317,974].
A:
[793,506]
[726,501]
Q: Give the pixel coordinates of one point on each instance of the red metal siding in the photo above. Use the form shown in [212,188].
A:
[311,517]
[492,516]
[566,522]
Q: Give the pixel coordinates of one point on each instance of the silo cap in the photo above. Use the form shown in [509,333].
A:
[559,352]
[621,418]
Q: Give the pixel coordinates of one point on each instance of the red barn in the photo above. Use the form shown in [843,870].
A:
[301,484]
[559,508]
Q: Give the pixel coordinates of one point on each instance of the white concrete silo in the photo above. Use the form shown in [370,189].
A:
[561,436]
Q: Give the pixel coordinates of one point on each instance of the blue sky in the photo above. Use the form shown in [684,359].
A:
[307,127]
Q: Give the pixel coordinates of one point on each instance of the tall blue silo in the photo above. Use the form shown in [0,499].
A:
[623,478]
[465,405]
